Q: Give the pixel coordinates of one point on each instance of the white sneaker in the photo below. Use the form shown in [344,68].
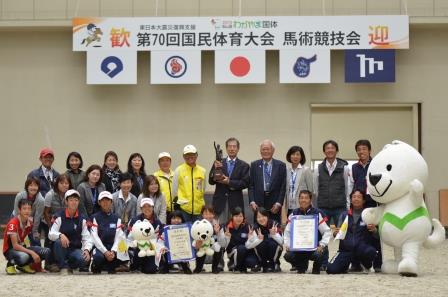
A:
[364,269]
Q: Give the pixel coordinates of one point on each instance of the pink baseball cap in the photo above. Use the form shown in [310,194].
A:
[45,152]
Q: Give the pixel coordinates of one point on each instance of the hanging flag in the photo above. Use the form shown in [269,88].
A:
[240,66]
[305,66]
[342,230]
[176,67]
[364,66]
[111,67]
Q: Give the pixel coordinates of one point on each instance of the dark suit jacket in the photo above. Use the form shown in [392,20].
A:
[233,192]
[278,184]
[45,186]
[136,190]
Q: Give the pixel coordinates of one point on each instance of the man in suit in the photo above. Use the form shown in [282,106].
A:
[229,190]
[45,173]
[267,181]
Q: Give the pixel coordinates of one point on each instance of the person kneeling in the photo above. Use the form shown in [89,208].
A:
[72,240]
[267,239]
[239,250]
[14,249]
[145,263]
[106,232]
[358,244]
[300,259]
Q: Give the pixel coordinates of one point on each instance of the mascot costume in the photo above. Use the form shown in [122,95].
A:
[396,179]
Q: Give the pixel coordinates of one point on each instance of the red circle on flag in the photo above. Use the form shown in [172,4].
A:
[240,66]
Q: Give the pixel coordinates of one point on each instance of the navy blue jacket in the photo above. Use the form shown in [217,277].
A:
[359,174]
[356,233]
[107,227]
[278,184]
[265,230]
[239,236]
[72,228]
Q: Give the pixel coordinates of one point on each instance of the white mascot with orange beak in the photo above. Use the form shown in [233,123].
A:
[396,179]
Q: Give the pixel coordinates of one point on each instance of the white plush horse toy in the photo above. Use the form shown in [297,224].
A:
[396,179]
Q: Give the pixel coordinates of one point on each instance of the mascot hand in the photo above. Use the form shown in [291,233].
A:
[200,253]
[370,216]
[416,189]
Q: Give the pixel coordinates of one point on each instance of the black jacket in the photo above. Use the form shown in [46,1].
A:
[233,192]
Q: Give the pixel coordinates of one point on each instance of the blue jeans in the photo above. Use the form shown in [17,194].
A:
[20,258]
[68,257]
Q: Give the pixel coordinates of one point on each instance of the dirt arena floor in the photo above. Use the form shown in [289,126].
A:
[432,281]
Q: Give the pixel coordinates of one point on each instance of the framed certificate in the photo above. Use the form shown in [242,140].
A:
[303,233]
[178,242]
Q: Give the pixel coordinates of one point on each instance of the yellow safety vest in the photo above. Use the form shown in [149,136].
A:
[191,186]
[166,184]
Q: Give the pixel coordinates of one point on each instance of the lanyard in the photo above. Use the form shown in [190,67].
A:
[293,182]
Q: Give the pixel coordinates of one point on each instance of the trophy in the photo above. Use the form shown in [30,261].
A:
[218,175]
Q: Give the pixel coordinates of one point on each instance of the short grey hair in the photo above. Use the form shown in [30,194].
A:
[267,141]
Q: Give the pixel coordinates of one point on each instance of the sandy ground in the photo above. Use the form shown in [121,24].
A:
[432,281]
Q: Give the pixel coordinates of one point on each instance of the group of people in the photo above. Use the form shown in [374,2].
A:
[85,215]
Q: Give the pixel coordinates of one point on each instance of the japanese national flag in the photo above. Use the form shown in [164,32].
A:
[305,66]
[240,66]
[176,67]
[111,67]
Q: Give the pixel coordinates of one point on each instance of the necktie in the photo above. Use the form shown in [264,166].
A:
[231,164]
[50,183]
[125,216]
[267,176]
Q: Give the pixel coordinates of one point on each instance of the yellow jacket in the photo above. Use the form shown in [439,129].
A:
[189,187]
[166,185]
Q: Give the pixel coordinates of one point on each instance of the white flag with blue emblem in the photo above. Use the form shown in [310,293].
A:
[111,67]
[176,67]
[305,66]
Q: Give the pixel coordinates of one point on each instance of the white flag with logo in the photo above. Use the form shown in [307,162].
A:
[305,66]
[342,230]
[176,67]
[111,67]
[240,66]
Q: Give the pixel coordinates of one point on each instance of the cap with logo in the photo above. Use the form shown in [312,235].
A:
[190,149]
[72,193]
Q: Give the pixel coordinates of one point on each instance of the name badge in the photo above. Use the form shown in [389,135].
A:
[243,235]
[113,226]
